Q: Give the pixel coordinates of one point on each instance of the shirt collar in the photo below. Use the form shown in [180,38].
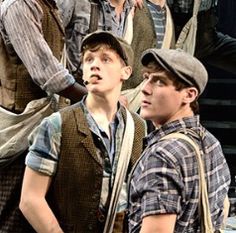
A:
[91,122]
[174,126]
[128,4]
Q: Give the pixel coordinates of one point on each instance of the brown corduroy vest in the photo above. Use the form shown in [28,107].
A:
[16,86]
[75,192]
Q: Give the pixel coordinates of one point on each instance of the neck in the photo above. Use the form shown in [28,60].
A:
[119,6]
[160,3]
[102,109]
[185,112]
[117,3]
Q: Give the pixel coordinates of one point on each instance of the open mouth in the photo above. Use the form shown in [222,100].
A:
[94,77]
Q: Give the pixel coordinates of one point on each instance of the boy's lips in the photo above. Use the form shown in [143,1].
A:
[93,79]
[145,103]
[95,76]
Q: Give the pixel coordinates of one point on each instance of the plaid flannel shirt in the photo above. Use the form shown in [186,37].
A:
[166,181]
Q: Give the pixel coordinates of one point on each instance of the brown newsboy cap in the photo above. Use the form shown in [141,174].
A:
[118,44]
[183,65]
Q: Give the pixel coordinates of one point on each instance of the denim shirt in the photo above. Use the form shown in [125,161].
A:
[76,18]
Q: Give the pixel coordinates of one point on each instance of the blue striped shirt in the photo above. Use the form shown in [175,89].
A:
[159,20]
[166,180]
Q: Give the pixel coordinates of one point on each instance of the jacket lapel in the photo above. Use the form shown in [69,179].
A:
[87,141]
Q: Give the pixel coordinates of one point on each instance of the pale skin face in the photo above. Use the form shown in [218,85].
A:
[161,102]
[104,71]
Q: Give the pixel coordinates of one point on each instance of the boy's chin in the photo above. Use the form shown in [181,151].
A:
[144,115]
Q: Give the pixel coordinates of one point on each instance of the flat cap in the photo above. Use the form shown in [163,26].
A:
[118,44]
[183,65]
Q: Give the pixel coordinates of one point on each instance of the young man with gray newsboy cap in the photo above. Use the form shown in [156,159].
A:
[75,154]
[164,186]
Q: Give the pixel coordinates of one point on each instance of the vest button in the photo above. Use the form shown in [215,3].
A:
[90,227]
[100,216]
[67,101]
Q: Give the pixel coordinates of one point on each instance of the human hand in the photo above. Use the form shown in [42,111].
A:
[138,3]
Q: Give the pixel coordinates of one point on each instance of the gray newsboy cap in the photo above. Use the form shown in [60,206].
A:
[179,63]
[118,44]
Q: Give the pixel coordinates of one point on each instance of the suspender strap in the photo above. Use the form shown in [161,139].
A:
[204,208]
[122,167]
[94,16]
[187,37]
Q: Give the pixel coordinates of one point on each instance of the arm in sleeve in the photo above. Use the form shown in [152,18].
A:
[160,186]
[41,165]
[44,147]
[160,200]
[66,8]
[22,22]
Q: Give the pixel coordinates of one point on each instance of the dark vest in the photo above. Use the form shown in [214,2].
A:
[11,218]
[75,192]
[17,88]
[144,37]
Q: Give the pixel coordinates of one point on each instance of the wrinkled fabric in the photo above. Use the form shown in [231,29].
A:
[76,18]
[15,128]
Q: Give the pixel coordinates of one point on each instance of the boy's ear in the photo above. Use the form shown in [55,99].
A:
[126,72]
[191,93]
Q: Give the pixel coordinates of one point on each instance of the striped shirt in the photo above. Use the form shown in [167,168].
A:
[21,27]
[165,180]
[45,142]
[186,6]
[159,19]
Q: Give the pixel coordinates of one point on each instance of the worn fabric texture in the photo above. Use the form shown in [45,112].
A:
[84,167]
[16,90]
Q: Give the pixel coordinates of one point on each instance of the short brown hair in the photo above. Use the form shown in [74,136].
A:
[95,46]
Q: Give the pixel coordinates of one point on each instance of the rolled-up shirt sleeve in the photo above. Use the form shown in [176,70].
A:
[44,147]
[23,30]
[161,187]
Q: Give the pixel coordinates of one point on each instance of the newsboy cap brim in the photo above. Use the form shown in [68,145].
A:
[184,66]
[118,44]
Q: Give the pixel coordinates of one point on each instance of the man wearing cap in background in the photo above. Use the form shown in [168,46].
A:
[74,154]
[164,187]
